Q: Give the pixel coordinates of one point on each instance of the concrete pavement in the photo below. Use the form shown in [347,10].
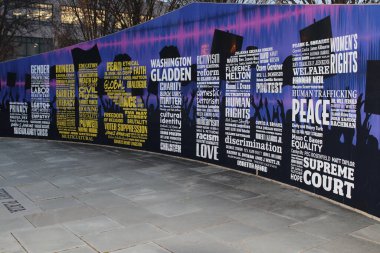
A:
[76,198]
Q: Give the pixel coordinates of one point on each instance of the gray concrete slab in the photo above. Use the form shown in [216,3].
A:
[216,204]
[27,205]
[330,226]
[131,214]
[158,197]
[195,242]
[346,244]
[232,232]
[190,222]
[370,233]
[261,219]
[61,215]
[76,199]
[174,208]
[124,237]
[285,241]
[143,248]
[81,249]
[8,244]
[13,224]
[133,190]
[40,191]
[91,225]
[298,211]
[270,202]
[47,240]
[58,203]
[238,195]
[103,200]
[201,185]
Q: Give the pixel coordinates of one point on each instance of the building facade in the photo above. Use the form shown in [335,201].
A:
[51,21]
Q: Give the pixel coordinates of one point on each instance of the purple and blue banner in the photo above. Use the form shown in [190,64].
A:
[291,93]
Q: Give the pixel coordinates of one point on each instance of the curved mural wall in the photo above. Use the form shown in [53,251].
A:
[291,93]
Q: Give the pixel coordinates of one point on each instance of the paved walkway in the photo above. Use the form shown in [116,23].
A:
[74,198]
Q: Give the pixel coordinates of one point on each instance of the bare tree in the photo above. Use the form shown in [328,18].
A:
[92,19]
[134,12]
[65,35]
[184,2]
[86,19]
[326,1]
[97,18]
[14,22]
